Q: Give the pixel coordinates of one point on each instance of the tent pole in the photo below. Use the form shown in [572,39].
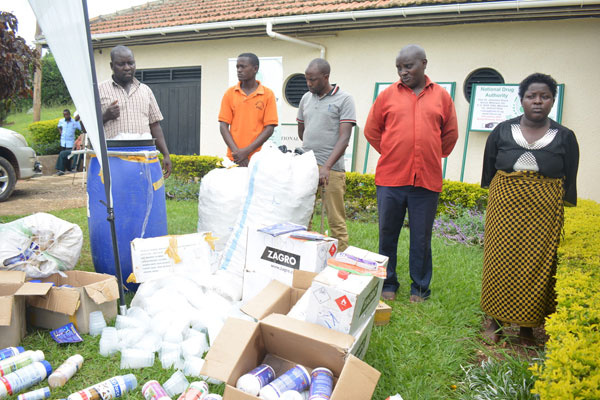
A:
[106,165]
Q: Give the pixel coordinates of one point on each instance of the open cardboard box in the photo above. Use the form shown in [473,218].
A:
[279,298]
[242,345]
[90,292]
[13,294]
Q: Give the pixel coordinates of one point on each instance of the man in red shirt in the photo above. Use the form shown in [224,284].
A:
[412,125]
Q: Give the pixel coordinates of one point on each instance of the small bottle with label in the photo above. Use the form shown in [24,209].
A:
[66,371]
[10,351]
[321,385]
[39,394]
[196,391]
[24,378]
[297,379]
[19,361]
[254,380]
[152,390]
[109,389]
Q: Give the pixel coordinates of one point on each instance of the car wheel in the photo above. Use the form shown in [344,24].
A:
[8,179]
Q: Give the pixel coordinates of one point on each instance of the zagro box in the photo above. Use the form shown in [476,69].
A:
[282,343]
[343,301]
[279,298]
[276,257]
[90,291]
[13,294]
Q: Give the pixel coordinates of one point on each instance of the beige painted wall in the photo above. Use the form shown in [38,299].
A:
[564,49]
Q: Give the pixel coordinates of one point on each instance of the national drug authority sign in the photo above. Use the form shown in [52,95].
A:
[492,104]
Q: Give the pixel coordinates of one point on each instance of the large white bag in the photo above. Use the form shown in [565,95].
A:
[222,192]
[40,244]
[281,188]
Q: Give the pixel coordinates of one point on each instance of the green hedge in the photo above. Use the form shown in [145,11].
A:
[571,369]
[45,138]
[193,167]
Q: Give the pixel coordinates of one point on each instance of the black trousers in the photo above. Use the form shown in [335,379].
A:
[421,204]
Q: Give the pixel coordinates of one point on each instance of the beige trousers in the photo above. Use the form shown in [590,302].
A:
[333,195]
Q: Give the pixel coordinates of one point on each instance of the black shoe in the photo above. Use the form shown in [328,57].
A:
[60,173]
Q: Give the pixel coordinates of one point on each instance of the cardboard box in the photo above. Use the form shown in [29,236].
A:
[284,342]
[276,257]
[153,258]
[13,294]
[279,298]
[90,292]
[343,302]
[383,313]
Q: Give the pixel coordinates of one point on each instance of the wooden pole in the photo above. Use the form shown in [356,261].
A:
[37,80]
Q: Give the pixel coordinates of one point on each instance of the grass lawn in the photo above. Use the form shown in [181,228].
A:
[419,353]
[19,122]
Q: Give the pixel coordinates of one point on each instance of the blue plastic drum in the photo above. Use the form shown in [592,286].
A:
[138,199]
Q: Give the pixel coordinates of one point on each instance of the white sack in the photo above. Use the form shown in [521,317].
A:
[281,188]
[222,192]
[40,244]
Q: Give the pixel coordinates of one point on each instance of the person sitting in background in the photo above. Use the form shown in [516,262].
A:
[67,127]
[530,166]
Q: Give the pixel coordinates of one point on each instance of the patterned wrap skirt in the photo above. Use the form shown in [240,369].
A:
[523,226]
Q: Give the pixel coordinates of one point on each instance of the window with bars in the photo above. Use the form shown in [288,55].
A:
[481,75]
[295,87]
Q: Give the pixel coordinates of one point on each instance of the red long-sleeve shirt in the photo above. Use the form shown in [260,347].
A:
[412,133]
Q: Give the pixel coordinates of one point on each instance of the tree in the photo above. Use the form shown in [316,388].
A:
[16,66]
[54,89]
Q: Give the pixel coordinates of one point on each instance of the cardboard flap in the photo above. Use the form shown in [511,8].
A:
[33,289]
[303,279]
[227,358]
[103,291]
[358,378]
[12,276]
[308,344]
[6,306]
[273,298]
[62,300]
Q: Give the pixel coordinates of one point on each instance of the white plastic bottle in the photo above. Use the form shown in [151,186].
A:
[251,382]
[10,351]
[19,361]
[66,371]
[297,379]
[24,378]
[196,391]
[39,394]
[152,390]
[109,389]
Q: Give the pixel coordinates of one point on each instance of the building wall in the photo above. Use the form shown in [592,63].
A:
[360,58]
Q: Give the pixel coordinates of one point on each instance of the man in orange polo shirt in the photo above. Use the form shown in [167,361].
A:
[248,112]
[412,124]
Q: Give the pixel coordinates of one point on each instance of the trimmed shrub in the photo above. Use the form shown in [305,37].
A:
[467,195]
[45,138]
[571,369]
[190,167]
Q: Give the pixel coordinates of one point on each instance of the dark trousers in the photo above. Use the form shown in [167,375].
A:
[63,163]
[393,202]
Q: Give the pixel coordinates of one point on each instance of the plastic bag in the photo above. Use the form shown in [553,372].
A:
[281,188]
[222,192]
[40,245]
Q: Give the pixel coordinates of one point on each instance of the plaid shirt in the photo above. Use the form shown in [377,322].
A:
[138,108]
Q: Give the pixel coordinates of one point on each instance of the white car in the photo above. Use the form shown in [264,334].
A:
[17,161]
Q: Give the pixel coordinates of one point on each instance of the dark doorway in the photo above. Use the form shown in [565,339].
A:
[177,91]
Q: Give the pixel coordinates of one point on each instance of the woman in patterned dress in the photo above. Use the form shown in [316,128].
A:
[530,166]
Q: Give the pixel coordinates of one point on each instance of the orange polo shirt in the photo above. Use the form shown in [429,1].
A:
[412,133]
[247,115]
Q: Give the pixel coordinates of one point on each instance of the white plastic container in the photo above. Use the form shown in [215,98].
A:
[19,361]
[10,351]
[66,371]
[193,366]
[176,384]
[136,358]
[24,378]
[291,395]
[106,390]
[196,391]
[97,323]
[39,394]
[152,390]
[213,396]
[254,380]
[321,384]
[297,379]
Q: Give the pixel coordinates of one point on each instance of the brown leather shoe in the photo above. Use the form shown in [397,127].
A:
[390,296]
[416,299]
